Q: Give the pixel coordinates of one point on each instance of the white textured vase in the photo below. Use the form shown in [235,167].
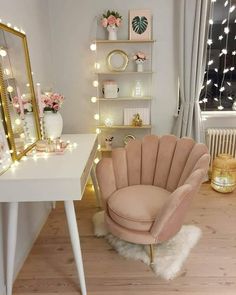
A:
[29,127]
[112,32]
[53,124]
[139,64]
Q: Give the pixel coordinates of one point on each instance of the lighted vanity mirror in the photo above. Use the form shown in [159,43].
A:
[17,96]
[117,60]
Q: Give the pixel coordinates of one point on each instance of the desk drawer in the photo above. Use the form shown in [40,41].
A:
[87,169]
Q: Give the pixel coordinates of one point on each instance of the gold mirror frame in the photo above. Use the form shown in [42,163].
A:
[4,102]
[125,60]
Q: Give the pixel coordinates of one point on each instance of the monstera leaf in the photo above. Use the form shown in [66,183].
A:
[139,24]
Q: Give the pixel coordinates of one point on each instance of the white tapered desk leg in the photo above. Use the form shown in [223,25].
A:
[11,244]
[75,241]
[95,185]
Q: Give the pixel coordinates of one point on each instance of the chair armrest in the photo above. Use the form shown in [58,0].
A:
[106,178]
[172,214]
[171,218]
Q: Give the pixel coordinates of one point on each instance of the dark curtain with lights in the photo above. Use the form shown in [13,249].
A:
[219,87]
[193,35]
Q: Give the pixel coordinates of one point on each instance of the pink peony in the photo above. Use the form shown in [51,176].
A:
[118,22]
[111,20]
[141,55]
[104,22]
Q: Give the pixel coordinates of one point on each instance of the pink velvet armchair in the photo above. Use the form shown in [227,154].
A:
[147,187]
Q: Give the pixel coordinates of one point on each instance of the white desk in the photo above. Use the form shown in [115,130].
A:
[57,178]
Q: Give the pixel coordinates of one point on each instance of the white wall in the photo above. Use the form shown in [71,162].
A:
[73,27]
[32,16]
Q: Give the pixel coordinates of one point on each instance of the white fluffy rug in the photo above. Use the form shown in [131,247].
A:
[169,256]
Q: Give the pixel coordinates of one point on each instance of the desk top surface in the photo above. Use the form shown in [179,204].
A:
[55,175]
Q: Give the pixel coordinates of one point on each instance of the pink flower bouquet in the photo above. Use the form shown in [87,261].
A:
[111,18]
[140,56]
[52,102]
[27,105]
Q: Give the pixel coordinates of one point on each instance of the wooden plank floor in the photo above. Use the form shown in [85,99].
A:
[210,268]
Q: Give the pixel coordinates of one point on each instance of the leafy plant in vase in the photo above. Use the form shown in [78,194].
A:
[140,58]
[53,122]
[111,20]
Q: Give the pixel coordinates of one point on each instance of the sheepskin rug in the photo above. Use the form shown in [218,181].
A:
[169,256]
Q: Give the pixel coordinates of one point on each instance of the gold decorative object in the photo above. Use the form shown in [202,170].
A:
[117,60]
[224,174]
[128,138]
[137,121]
[17,97]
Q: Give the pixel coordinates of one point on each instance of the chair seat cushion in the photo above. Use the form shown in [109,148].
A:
[136,207]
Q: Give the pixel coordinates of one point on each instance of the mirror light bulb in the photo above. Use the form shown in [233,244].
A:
[3,52]
[210,62]
[97,66]
[224,51]
[232,8]
[10,89]
[18,121]
[9,25]
[93,46]
[96,116]
[220,108]
[211,22]
[98,131]
[93,99]
[220,37]
[226,30]
[7,72]
[95,83]
[96,160]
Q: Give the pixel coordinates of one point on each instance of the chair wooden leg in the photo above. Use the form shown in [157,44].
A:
[151,254]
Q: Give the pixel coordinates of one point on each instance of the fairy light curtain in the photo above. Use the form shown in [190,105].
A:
[219,87]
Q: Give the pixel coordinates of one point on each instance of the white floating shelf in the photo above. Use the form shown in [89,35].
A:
[128,98]
[123,73]
[100,41]
[125,127]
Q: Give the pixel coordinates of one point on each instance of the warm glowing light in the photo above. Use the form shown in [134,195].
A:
[224,51]
[216,70]
[24,158]
[224,21]
[210,62]
[220,37]
[208,82]
[18,121]
[230,97]
[226,30]
[216,99]
[226,3]
[9,25]
[205,99]
[231,69]
[216,85]
[229,83]
[10,89]
[97,65]
[99,147]
[16,29]
[220,108]
[222,89]
[27,85]
[3,52]
[232,8]
[234,52]
[93,99]
[98,131]
[211,22]
[96,116]
[93,46]
[225,71]
[22,31]
[95,83]
[7,72]
[96,160]
[209,41]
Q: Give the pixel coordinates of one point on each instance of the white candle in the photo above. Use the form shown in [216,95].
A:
[20,103]
[40,105]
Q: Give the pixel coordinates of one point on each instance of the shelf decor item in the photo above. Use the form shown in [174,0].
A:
[140,58]
[108,142]
[128,138]
[131,113]
[111,20]
[117,60]
[53,122]
[140,25]
[137,121]
[138,89]
[110,89]
[223,177]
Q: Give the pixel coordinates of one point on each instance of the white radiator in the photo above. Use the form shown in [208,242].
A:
[221,141]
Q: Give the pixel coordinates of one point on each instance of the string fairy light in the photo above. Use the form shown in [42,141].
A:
[222,82]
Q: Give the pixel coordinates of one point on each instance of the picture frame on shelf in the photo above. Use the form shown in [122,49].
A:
[140,25]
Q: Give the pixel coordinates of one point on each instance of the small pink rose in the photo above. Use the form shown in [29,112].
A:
[141,55]
[111,20]
[104,22]
[118,22]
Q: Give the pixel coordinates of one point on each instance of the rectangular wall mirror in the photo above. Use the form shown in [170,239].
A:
[17,95]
